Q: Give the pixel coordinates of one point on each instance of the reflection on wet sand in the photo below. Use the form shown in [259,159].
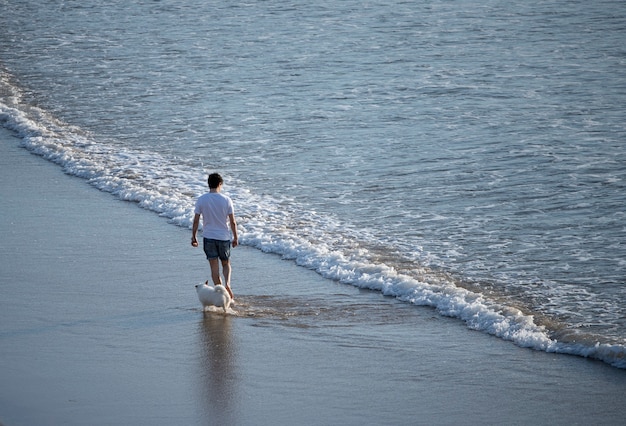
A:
[217,358]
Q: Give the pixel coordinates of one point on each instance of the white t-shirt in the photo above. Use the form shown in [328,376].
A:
[215,208]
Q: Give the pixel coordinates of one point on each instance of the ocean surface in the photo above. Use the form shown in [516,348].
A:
[468,156]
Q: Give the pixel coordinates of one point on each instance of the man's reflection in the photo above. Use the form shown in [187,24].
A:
[218,368]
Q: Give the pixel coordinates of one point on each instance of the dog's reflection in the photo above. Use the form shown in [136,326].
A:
[218,368]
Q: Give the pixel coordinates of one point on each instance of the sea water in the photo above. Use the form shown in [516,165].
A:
[469,156]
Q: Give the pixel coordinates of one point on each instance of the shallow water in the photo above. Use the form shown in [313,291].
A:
[117,335]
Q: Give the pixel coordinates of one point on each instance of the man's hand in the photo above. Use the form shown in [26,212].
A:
[194,230]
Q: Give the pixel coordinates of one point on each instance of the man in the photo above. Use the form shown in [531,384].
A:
[218,222]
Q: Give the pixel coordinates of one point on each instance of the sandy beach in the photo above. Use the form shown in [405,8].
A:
[100,325]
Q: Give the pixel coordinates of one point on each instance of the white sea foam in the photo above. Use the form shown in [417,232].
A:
[169,188]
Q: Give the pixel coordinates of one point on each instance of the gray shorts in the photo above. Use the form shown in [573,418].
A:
[216,249]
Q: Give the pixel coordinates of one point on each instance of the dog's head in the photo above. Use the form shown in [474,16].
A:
[201,284]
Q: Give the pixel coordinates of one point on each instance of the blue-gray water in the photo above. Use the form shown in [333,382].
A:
[463,155]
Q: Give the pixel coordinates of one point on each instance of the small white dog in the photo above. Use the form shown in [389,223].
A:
[213,296]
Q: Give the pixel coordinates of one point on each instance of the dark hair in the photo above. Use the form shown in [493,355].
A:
[215,180]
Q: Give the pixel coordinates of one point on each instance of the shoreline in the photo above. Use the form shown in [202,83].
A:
[100,324]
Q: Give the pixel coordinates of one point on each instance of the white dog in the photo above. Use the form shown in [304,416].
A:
[213,296]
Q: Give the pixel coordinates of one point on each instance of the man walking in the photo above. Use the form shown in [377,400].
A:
[218,223]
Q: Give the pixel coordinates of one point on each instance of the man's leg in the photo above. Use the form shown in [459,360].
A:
[215,271]
[227,270]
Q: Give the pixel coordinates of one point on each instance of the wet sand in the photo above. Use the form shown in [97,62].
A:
[100,325]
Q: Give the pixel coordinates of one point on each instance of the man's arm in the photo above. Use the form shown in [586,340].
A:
[194,230]
[233,228]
